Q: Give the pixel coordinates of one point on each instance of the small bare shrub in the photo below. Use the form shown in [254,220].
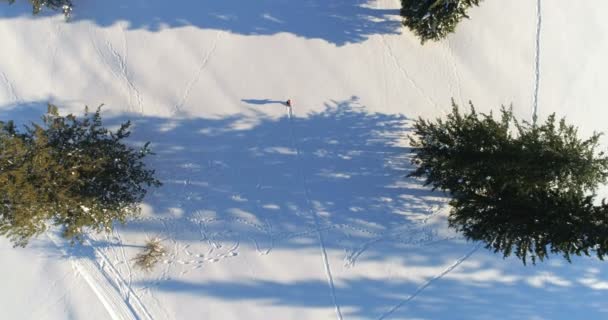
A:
[153,252]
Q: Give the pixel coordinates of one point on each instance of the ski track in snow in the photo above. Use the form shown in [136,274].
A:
[539,20]
[406,74]
[311,209]
[9,87]
[327,267]
[178,107]
[429,282]
[100,283]
[127,264]
[112,274]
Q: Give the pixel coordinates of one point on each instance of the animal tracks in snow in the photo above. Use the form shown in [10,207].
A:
[117,64]
[197,260]
[203,64]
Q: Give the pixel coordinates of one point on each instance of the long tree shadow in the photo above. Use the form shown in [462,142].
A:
[483,288]
[341,170]
[269,183]
[336,21]
[256,186]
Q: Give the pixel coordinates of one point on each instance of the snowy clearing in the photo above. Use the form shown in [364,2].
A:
[271,212]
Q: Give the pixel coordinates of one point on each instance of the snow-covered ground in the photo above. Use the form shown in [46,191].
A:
[272,213]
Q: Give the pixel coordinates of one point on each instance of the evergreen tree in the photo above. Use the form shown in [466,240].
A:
[521,188]
[434,19]
[64,5]
[71,173]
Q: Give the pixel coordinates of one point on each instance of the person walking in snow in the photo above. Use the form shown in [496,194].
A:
[289,105]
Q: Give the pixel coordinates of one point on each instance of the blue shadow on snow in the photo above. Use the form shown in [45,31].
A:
[336,21]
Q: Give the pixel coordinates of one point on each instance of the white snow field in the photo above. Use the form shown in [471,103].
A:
[271,213]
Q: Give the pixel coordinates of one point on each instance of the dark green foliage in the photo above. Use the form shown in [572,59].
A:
[434,19]
[68,172]
[521,188]
[64,5]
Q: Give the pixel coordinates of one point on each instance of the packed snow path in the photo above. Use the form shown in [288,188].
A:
[107,283]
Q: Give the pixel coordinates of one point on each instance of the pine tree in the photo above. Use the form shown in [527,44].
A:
[64,5]
[521,188]
[434,19]
[68,172]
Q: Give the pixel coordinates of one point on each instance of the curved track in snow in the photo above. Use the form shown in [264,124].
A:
[106,283]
